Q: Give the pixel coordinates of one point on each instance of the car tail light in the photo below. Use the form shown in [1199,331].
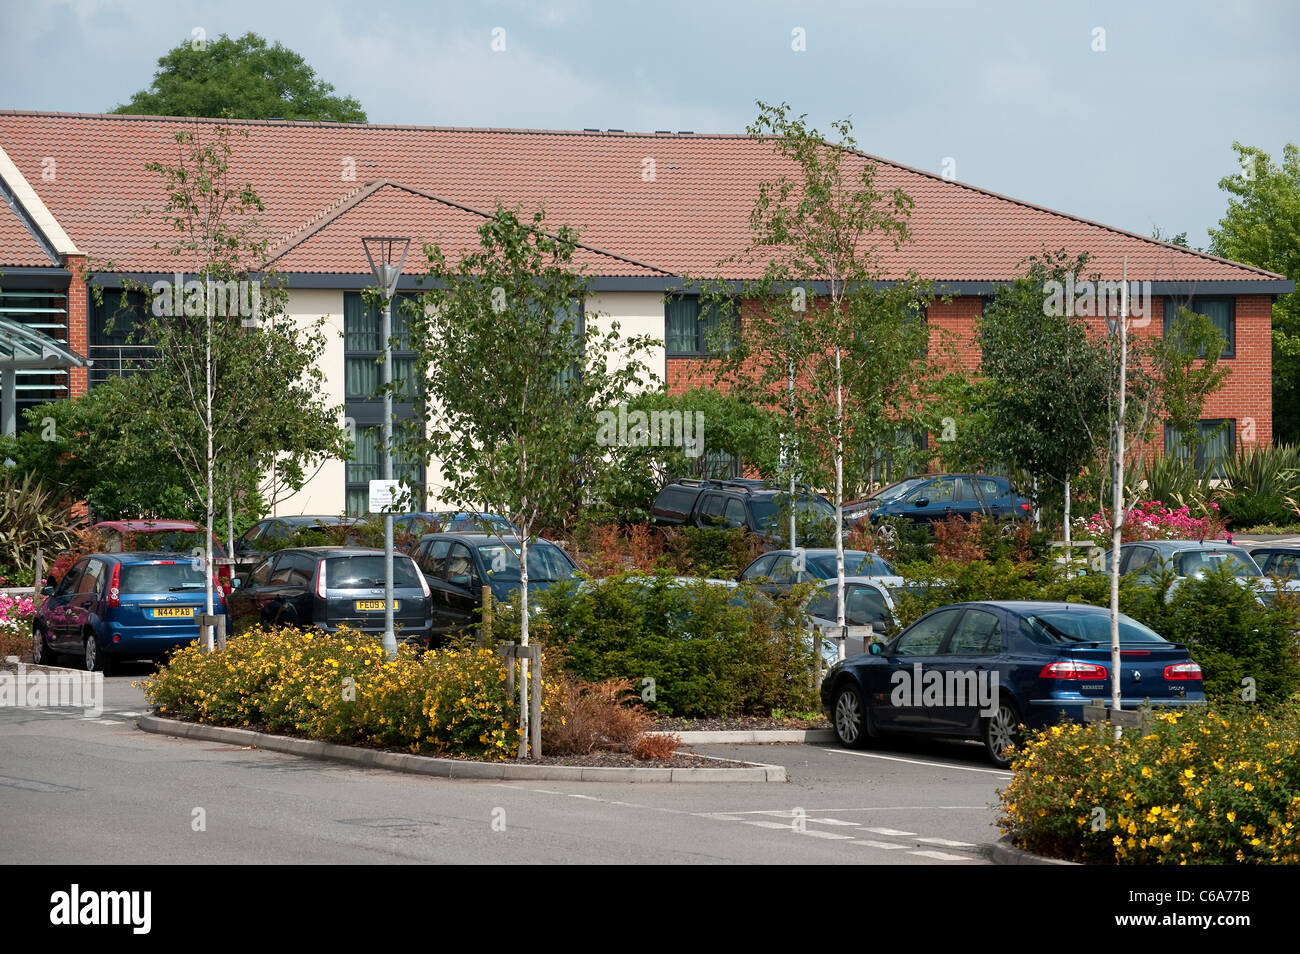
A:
[424,584]
[1187,670]
[1072,670]
[320,579]
[115,586]
[1024,506]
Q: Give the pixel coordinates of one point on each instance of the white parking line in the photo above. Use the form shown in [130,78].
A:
[762,824]
[943,765]
[887,845]
[893,831]
[946,842]
[942,856]
[814,833]
[834,821]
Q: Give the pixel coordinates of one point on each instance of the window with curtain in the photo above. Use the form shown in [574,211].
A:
[363,348]
[367,463]
[1217,442]
[692,329]
[1221,311]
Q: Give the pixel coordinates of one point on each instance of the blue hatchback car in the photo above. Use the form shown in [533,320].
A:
[113,606]
[985,670]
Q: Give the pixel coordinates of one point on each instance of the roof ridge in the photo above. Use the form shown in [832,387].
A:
[323,218]
[325,123]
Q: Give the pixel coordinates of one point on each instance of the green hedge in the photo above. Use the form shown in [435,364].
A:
[710,650]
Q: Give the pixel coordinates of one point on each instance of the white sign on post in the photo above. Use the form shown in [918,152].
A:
[383,494]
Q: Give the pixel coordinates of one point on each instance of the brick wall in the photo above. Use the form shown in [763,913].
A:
[1245,397]
[78,323]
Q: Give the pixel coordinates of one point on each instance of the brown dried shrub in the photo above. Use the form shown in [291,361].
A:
[586,717]
[656,747]
[959,540]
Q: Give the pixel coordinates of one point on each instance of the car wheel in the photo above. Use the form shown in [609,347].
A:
[96,660]
[849,717]
[44,655]
[886,533]
[1001,732]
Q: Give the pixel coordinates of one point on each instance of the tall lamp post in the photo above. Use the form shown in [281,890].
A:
[380,252]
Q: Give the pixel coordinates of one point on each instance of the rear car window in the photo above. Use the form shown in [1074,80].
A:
[161,577]
[1198,561]
[367,572]
[1065,626]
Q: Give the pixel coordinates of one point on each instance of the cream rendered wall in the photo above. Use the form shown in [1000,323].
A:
[324,491]
[638,313]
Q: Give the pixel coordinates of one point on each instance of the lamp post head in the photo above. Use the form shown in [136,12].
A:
[381,253]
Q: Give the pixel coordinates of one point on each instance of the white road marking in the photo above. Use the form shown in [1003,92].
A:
[763,824]
[887,845]
[943,765]
[942,855]
[946,842]
[814,833]
[893,831]
[834,821]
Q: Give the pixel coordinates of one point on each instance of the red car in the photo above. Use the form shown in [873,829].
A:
[167,536]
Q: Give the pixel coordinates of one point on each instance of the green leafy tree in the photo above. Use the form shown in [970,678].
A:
[98,448]
[823,336]
[515,381]
[240,79]
[1261,227]
[234,387]
[1047,378]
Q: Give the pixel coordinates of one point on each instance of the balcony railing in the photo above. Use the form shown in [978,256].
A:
[111,361]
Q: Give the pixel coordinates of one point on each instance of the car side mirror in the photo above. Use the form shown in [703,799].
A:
[878,626]
[236,582]
[47,591]
[877,649]
[921,502]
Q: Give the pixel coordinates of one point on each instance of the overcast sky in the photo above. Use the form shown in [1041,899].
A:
[1135,135]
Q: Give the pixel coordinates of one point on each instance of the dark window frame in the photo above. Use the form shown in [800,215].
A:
[701,348]
[1174,443]
[1173,303]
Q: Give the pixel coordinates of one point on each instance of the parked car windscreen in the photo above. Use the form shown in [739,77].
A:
[1071,626]
[367,572]
[894,491]
[1197,562]
[169,541]
[545,562]
[161,577]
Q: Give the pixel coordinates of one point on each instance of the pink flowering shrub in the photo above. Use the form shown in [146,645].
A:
[16,614]
[1152,520]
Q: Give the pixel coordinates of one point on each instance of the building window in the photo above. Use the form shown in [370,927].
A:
[1216,441]
[113,340]
[694,329]
[363,347]
[1221,311]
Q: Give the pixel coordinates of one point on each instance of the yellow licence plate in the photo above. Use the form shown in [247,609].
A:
[173,612]
[376,605]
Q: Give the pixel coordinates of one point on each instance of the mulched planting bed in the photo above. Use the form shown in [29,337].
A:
[736,724]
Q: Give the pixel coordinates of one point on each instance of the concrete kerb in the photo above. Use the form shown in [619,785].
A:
[457,768]
[1005,853]
[752,737]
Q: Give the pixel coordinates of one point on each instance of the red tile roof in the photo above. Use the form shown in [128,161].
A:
[333,243]
[682,220]
[18,247]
